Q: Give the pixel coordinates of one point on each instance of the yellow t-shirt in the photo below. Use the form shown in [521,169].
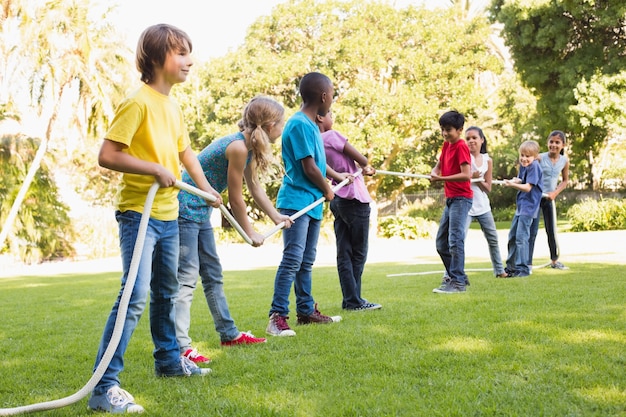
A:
[153,128]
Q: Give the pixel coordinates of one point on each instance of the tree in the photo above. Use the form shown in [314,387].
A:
[67,56]
[556,46]
[395,71]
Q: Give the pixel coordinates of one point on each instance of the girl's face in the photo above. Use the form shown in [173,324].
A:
[276,129]
[474,141]
[555,144]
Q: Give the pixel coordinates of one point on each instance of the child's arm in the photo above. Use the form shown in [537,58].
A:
[260,197]
[563,185]
[194,169]
[113,157]
[518,185]
[351,152]
[486,184]
[464,175]
[314,174]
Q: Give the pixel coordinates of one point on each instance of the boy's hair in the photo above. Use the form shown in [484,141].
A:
[453,119]
[530,147]
[257,119]
[153,46]
[313,85]
[483,147]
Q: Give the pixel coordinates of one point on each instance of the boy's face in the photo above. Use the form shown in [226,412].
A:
[525,158]
[327,101]
[451,134]
[177,65]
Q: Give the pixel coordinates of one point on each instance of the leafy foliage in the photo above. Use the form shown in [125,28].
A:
[593,215]
[43,230]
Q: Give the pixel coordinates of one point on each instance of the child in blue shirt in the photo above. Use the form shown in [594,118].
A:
[529,186]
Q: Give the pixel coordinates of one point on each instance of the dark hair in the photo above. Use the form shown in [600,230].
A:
[453,119]
[483,147]
[153,46]
[313,85]
[560,134]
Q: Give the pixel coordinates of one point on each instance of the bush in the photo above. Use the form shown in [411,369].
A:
[593,215]
[406,227]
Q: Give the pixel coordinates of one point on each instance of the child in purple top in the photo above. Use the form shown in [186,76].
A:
[351,210]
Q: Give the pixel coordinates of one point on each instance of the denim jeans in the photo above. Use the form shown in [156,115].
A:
[549,222]
[157,274]
[517,260]
[488,226]
[198,255]
[450,240]
[296,266]
[352,223]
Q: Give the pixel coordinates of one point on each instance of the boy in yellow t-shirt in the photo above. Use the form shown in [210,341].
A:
[147,141]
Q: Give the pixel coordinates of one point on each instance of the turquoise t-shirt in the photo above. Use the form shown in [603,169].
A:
[215,166]
[301,138]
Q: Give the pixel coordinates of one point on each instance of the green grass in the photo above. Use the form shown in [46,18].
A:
[553,344]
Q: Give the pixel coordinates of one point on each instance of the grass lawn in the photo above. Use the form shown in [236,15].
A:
[553,344]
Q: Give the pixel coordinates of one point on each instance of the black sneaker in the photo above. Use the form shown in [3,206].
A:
[366,306]
[317,318]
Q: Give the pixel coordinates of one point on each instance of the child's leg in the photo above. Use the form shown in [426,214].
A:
[511,245]
[188,270]
[213,284]
[305,304]
[163,293]
[521,242]
[488,226]
[534,229]
[441,240]
[294,243]
[549,220]
[458,211]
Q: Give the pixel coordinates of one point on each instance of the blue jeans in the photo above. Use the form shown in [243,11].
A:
[198,254]
[488,226]
[549,222]
[517,260]
[352,224]
[157,274]
[450,240]
[296,266]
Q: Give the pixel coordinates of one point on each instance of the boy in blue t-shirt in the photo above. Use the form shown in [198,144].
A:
[529,186]
[304,183]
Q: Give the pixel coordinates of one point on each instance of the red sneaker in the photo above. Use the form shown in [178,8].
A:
[195,357]
[245,338]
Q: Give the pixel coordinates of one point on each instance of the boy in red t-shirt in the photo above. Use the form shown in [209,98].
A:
[453,168]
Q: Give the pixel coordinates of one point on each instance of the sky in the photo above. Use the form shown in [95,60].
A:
[214,27]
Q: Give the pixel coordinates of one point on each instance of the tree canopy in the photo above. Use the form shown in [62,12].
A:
[563,50]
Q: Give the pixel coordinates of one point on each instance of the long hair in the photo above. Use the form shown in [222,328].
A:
[483,147]
[259,115]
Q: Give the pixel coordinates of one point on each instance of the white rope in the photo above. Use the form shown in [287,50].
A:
[118,329]
[193,190]
[424,176]
[310,206]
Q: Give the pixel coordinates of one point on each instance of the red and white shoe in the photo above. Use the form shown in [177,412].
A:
[195,357]
[245,338]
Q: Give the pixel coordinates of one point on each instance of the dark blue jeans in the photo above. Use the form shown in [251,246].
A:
[296,267]
[156,274]
[517,260]
[352,224]
[450,239]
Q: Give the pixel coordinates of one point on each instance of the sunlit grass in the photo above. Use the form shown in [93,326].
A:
[553,344]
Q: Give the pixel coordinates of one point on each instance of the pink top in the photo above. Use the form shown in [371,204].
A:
[334,143]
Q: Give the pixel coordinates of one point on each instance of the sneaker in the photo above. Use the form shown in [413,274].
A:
[317,318]
[186,368]
[558,265]
[450,288]
[502,275]
[114,401]
[530,269]
[245,338]
[516,275]
[278,326]
[195,357]
[366,306]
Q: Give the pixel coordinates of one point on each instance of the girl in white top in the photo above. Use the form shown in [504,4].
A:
[481,208]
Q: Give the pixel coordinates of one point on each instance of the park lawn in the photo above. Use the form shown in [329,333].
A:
[553,344]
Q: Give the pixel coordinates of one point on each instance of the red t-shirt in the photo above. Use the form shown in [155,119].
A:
[453,155]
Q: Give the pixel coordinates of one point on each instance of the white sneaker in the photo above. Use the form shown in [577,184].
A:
[114,401]
[278,326]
